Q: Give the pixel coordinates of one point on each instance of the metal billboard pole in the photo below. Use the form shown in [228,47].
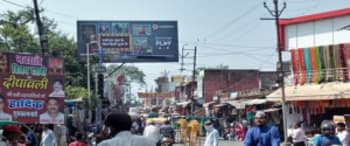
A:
[88,71]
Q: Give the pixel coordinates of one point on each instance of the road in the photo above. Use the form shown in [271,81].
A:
[222,143]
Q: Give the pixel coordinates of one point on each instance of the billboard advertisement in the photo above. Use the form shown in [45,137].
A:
[31,88]
[128,41]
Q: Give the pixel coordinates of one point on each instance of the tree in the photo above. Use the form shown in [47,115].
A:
[16,36]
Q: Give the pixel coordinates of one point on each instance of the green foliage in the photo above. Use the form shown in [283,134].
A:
[73,92]
[15,33]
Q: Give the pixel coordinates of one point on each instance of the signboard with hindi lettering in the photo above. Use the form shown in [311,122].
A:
[128,41]
[31,88]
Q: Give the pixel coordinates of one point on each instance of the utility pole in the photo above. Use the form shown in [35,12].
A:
[276,13]
[194,63]
[193,77]
[42,36]
[182,58]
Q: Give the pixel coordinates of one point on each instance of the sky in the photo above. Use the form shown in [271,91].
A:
[226,32]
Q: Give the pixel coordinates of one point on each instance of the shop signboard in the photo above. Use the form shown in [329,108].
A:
[129,41]
[31,88]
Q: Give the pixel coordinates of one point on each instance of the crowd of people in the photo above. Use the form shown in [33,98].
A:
[119,129]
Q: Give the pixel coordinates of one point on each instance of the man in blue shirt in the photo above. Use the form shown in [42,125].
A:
[327,138]
[262,134]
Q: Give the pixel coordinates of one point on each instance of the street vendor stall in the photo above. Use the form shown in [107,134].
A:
[313,103]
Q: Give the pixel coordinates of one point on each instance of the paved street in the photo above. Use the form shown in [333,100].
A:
[222,143]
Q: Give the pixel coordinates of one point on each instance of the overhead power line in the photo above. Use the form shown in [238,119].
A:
[48,10]
[227,45]
[15,4]
[231,50]
[224,27]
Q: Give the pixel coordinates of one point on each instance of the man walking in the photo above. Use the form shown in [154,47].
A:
[343,134]
[118,126]
[212,138]
[48,137]
[152,131]
[298,135]
[262,134]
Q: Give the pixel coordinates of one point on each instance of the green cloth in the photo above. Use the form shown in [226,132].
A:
[250,116]
[204,119]
[3,123]
[319,65]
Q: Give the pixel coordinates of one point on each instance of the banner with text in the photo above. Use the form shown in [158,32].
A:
[31,88]
[128,41]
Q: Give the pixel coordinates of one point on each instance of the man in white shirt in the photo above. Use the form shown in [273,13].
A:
[52,116]
[212,138]
[343,134]
[3,115]
[152,131]
[298,135]
[57,89]
[48,137]
[118,127]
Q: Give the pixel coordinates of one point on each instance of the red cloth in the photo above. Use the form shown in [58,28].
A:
[12,128]
[77,143]
[240,132]
[302,66]
[295,65]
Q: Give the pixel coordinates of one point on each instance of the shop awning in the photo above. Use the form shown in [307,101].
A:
[325,91]
[271,110]
[237,104]
[254,101]
[208,103]
[220,105]
[184,104]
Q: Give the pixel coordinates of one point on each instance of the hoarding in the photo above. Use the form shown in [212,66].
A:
[128,41]
[31,88]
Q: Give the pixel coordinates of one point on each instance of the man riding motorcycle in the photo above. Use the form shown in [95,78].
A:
[167,134]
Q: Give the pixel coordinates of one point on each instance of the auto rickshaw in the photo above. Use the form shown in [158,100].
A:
[5,122]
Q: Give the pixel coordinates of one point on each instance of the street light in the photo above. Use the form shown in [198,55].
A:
[88,68]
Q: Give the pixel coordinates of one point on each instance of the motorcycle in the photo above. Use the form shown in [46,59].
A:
[166,141]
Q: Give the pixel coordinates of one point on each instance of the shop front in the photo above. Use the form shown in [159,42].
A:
[314,103]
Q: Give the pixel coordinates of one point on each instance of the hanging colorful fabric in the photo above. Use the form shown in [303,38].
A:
[339,76]
[326,63]
[307,58]
[323,63]
[332,62]
[314,73]
[343,63]
[302,66]
[346,52]
[319,65]
[295,65]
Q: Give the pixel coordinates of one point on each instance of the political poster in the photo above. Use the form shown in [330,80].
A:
[31,88]
[128,41]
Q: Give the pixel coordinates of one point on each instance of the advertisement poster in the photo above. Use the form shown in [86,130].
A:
[129,41]
[31,88]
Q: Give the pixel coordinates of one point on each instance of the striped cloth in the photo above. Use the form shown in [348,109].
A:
[302,66]
[307,61]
